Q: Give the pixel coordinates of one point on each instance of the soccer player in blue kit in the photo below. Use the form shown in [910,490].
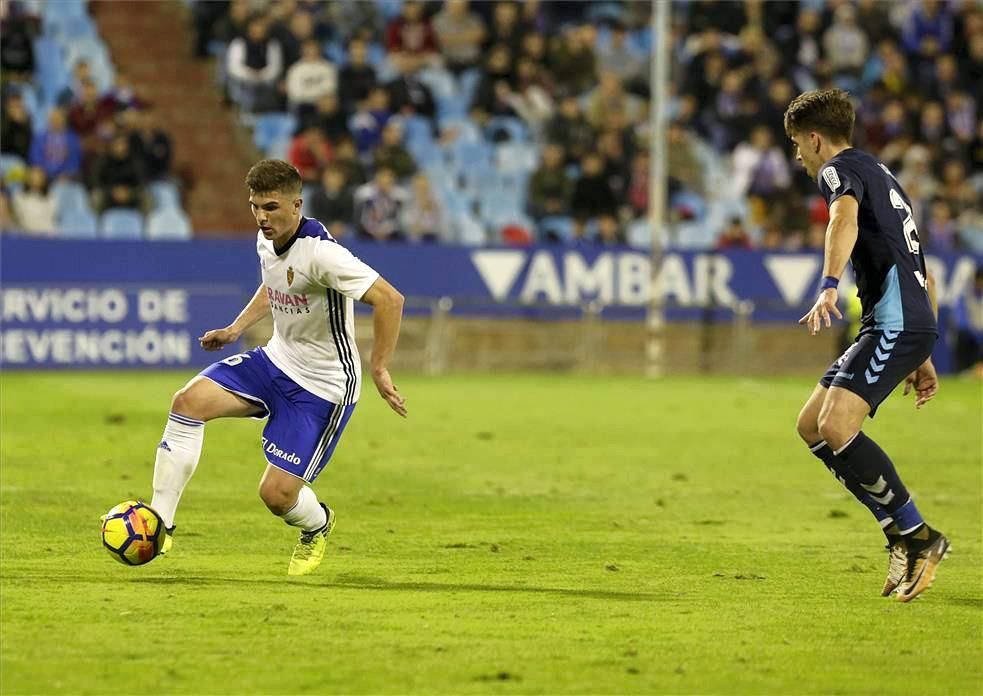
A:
[305,381]
[871,225]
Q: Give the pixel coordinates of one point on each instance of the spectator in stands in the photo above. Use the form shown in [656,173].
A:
[408,94]
[72,92]
[390,154]
[91,117]
[15,126]
[332,203]
[968,313]
[369,120]
[761,172]
[17,49]
[310,152]
[299,30]
[254,63]
[534,48]
[572,60]
[422,218]
[328,117]
[940,228]
[570,129]
[410,38]
[928,29]
[120,176]
[956,190]
[592,194]
[960,112]
[346,159]
[235,23]
[491,97]
[351,17]
[506,28]
[946,79]
[550,188]
[617,161]
[125,93]
[57,150]
[357,78]
[530,99]
[617,58]
[379,206]
[34,206]
[153,145]
[460,34]
[845,45]
[610,97]
[734,236]
[309,79]
[8,223]
[638,184]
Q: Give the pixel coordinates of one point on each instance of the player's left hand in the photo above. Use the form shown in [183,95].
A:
[389,392]
[819,314]
[925,383]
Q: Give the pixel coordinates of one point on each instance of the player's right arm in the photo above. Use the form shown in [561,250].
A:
[257,308]
[924,380]
[841,236]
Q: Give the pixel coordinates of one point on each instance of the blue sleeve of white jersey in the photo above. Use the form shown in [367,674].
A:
[835,180]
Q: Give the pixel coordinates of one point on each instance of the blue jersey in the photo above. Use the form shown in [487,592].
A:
[887,259]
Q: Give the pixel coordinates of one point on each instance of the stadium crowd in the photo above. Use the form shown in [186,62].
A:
[569,82]
[516,122]
[84,146]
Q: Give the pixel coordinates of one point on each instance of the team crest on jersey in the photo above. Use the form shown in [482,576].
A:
[290,275]
[831,177]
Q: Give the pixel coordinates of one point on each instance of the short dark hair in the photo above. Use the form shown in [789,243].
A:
[274,176]
[827,111]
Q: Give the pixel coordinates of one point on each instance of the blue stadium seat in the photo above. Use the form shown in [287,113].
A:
[168,223]
[305,193]
[517,157]
[70,197]
[335,52]
[469,231]
[164,194]
[64,8]
[639,234]
[273,127]
[440,82]
[66,27]
[556,228]
[468,83]
[514,129]
[121,223]
[81,224]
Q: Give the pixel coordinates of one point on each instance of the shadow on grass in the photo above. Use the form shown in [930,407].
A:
[375,583]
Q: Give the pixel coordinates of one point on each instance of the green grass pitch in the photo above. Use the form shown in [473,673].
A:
[517,534]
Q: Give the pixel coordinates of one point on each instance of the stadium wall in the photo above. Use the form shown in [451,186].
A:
[142,304]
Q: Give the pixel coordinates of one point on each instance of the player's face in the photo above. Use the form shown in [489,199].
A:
[807,152]
[277,214]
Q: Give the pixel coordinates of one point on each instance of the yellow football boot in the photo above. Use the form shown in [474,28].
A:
[310,549]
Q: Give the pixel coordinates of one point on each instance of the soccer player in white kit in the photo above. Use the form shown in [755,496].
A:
[305,381]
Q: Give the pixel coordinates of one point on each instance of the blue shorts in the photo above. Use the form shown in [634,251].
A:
[302,430]
[878,362]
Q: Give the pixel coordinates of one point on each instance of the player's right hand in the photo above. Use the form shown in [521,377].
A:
[819,314]
[216,339]
[389,392]
[925,383]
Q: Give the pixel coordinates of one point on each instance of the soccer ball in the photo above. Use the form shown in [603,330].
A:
[133,533]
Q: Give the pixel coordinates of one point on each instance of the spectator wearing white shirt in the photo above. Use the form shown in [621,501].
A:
[310,78]
[34,206]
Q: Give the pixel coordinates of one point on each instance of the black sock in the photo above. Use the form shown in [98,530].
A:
[878,477]
[845,476]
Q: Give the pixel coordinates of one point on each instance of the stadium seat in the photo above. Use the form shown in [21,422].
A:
[81,224]
[121,223]
[168,223]
[440,82]
[468,83]
[513,129]
[164,194]
[10,163]
[273,127]
[556,228]
[516,157]
[469,231]
[70,197]
[638,234]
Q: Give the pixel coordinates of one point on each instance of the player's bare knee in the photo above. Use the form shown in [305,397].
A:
[187,402]
[835,429]
[808,428]
[277,499]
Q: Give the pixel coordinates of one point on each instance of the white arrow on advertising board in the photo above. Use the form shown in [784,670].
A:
[793,274]
[499,269]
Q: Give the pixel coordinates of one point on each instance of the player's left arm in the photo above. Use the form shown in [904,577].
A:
[841,236]
[387,315]
[924,380]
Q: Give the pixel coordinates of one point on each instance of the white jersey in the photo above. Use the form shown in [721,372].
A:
[310,286]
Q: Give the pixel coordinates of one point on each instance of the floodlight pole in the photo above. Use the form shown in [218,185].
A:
[656,316]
